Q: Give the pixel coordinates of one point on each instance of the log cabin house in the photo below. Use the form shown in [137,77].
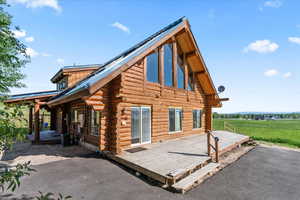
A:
[157,90]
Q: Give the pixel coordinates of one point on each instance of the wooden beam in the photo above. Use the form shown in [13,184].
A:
[53,119]
[186,73]
[30,125]
[224,99]
[42,102]
[201,72]
[161,66]
[175,82]
[191,53]
[37,123]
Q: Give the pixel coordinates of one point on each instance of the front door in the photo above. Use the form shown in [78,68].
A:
[140,125]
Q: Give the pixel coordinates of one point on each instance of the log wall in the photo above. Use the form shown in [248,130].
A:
[74,77]
[136,91]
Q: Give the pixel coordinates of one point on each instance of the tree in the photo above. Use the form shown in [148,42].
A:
[12,59]
[13,55]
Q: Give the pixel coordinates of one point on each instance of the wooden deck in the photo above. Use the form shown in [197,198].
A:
[47,137]
[170,161]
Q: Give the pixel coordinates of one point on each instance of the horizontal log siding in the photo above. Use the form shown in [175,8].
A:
[74,77]
[136,91]
[107,102]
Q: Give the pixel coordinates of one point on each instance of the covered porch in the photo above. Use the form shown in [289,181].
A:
[46,137]
[38,131]
[171,160]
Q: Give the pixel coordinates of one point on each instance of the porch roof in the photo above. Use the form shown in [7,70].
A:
[30,96]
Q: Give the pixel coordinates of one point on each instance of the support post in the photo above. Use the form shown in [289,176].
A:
[37,122]
[208,143]
[175,82]
[53,119]
[217,148]
[30,120]
[42,121]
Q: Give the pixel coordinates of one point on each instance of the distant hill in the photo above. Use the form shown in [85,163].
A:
[262,113]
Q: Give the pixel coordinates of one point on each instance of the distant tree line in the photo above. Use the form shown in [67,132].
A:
[257,116]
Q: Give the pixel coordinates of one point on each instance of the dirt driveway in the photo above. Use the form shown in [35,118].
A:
[263,173]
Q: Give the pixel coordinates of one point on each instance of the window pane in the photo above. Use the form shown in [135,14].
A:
[95,122]
[146,119]
[171,119]
[197,118]
[194,119]
[180,77]
[168,62]
[135,125]
[152,67]
[178,115]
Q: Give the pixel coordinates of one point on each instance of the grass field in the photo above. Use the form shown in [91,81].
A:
[283,132]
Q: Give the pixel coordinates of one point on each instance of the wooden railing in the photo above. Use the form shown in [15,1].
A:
[214,146]
[229,127]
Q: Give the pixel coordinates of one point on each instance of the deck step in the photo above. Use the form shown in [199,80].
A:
[188,182]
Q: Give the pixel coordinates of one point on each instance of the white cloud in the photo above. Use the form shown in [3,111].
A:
[121,27]
[273,3]
[271,72]
[39,4]
[29,39]
[19,33]
[60,61]
[31,52]
[262,46]
[46,54]
[287,75]
[294,40]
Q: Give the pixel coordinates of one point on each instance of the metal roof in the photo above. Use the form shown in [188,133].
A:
[81,66]
[118,61]
[31,95]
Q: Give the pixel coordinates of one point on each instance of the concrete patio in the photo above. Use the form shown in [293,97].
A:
[47,137]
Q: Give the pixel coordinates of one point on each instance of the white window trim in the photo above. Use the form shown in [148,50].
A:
[99,128]
[174,132]
[201,112]
[150,141]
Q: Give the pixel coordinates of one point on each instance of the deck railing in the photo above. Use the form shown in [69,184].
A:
[229,127]
[214,146]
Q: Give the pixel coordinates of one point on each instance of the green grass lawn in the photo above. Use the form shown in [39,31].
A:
[283,132]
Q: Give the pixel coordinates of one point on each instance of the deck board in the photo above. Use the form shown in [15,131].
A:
[179,154]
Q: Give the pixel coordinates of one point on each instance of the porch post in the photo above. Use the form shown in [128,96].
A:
[53,119]
[30,119]
[208,126]
[36,122]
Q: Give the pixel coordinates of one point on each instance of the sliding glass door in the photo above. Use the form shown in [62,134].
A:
[140,125]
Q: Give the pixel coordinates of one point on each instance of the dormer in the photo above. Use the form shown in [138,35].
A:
[68,76]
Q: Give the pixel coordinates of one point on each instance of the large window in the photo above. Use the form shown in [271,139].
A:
[175,119]
[168,65]
[197,118]
[152,67]
[180,72]
[95,122]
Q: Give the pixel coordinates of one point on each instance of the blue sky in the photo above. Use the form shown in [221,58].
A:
[250,46]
